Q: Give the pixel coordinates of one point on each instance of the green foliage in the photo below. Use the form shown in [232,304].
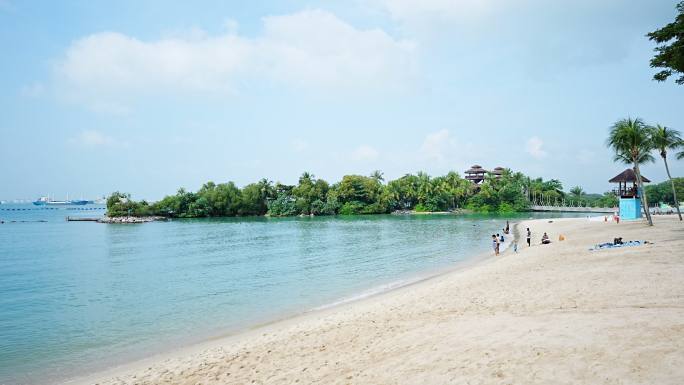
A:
[670,51]
[662,192]
[508,192]
[354,194]
[120,204]
[607,199]
[577,192]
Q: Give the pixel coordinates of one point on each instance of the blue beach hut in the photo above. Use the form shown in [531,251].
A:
[629,194]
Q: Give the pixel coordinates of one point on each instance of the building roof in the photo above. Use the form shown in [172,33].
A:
[627,176]
[476,169]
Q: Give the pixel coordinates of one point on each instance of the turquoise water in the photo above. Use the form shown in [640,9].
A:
[81,296]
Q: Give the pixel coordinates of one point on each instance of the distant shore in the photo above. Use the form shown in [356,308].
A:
[556,313]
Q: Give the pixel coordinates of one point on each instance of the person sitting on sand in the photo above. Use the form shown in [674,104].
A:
[545,239]
[501,238]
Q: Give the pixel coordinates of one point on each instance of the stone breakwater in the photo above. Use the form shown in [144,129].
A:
[130,219]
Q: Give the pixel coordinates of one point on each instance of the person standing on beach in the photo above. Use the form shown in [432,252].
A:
[529,237]
[495,244]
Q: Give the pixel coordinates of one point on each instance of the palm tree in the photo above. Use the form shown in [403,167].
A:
[680,154]
[663,139]
[377,175]
[630,139]
[577,191]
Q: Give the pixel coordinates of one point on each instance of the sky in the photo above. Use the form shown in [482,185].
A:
[149,96]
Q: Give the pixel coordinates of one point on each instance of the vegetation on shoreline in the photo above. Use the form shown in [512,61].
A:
[354,194]
[662,192]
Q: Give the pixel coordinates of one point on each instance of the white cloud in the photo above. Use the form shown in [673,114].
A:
[365,153]
[311,48]
[437,145]
[534,147]
[94,138]
[299,145]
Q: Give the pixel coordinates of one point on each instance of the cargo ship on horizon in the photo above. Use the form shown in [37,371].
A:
[46,201]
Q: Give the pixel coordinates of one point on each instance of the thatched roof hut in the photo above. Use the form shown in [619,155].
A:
[627,176]
[623,180]
[476,173]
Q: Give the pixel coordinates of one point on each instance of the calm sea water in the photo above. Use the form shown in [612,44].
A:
[81,296]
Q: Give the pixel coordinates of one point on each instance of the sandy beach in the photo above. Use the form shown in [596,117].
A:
[551,314]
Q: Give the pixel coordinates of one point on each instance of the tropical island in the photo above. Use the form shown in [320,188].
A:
[498,191]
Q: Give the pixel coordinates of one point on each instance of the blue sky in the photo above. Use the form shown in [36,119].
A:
[149,96]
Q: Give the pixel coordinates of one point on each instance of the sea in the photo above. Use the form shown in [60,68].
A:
[79,297]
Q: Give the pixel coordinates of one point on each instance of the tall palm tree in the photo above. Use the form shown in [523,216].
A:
[631,141]
[665,138]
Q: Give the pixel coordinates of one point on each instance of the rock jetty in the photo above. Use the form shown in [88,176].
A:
[130,219]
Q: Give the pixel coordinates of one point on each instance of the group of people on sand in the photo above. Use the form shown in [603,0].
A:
[498,239]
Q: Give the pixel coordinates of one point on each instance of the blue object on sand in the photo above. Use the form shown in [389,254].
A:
[609,245]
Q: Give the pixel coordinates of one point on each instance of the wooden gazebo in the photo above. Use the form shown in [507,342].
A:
[498,171]
[628,193]
[627,184]
[476,174]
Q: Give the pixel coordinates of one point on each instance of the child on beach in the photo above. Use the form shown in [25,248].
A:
[515,246]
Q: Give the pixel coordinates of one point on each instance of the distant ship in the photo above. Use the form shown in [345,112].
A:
[46,201]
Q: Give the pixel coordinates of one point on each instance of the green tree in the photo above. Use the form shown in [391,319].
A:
[662,192]
[577,192]
[630,140]
[664,139]
[359,194]
[378,175]
[670,51]
[253,200]
[403,192]
[284,202]
[310,194]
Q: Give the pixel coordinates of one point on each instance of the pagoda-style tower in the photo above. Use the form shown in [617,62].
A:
[476,174]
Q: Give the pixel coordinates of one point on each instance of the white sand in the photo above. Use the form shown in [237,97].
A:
[554,314]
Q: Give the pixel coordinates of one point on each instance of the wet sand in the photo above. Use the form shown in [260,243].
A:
[555,313]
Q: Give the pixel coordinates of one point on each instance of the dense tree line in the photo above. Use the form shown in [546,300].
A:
[662,192]
[354,194]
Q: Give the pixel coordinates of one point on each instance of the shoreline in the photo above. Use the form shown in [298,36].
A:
[246,332]
[533,315]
